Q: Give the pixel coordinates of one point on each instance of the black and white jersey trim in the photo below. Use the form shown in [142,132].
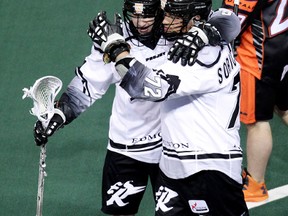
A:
[84,81]
[138,147]
[186,155]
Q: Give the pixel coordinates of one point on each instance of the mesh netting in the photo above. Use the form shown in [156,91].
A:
[43,94]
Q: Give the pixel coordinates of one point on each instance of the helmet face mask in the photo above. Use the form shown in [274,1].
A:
[143,20]
[173,27]
[143,25]
[185,10]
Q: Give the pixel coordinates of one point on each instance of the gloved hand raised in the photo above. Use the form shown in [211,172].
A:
[108,36]
[187,47]
[41,135]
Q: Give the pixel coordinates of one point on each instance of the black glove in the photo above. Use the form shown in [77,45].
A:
[212,33]
[108,36]
[41,135]
[187,47]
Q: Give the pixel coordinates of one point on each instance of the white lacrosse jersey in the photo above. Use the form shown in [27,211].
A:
[200,114]
[134,128]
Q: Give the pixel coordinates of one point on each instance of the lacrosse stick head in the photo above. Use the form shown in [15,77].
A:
[43,94]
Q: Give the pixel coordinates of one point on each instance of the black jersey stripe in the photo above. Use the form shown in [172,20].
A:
[137,148]
[189,155]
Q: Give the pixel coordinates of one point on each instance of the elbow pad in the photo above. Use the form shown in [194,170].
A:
[64,104]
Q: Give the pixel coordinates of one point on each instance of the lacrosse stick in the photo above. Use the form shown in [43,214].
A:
[43,94]
[235,10]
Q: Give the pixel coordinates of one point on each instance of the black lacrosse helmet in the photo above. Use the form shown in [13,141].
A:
[186,9]
[144,9]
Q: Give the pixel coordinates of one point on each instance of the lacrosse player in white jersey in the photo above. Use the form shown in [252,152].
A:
[135,141]
[202,157]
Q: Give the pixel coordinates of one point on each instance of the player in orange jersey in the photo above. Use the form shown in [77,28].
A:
[262,54]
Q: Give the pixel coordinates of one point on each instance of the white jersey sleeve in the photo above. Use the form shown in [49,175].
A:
[91,82]
[214,68]
[94,77]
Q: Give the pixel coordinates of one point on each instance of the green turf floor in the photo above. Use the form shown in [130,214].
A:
[39,38]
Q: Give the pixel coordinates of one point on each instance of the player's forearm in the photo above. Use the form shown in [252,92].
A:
[122,55]
[72,103]
[141,82]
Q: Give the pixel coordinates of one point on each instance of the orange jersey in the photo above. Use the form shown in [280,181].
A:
[263,49]
[262,54]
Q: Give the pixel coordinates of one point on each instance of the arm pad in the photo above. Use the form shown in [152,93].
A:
[64,105]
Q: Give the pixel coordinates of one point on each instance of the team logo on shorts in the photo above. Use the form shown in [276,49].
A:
[120,191]
[198,206]
[163,197]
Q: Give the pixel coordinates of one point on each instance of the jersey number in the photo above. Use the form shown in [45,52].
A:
[155,92]
[280,23]
[235,112]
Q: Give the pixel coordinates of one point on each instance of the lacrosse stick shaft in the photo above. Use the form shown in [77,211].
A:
[43,93]
[236,6]
[41,178]
[235,10]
